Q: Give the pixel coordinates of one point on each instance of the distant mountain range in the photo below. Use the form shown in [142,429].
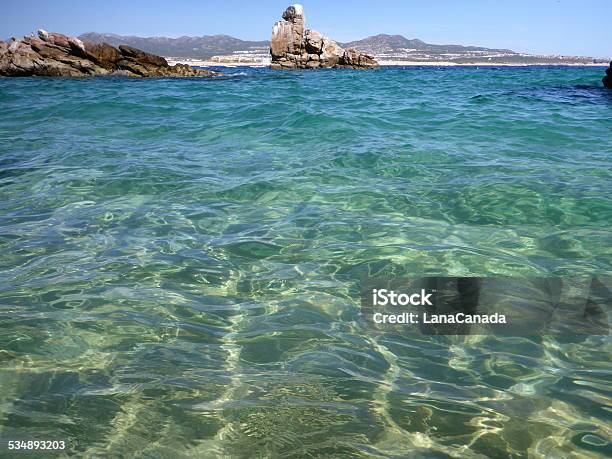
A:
[210,45]
[390,44]
[386,48]
[194,47]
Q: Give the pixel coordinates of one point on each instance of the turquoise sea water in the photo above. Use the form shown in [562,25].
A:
[180,261]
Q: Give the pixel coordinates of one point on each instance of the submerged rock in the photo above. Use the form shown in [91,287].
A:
[293,46]
[607,80]
[54,54]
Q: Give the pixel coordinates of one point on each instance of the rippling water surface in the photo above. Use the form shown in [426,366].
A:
[180,261]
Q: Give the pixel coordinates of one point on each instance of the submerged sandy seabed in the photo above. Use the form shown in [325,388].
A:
[205,63]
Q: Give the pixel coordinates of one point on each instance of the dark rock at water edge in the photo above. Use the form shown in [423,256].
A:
[54,54]
[607,80]
[293,46]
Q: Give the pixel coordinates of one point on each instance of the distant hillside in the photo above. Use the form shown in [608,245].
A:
[195,47]
[385,48]
[211,45]
[398,49]
[390,44]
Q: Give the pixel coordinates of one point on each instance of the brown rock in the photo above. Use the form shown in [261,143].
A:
[44,35]
[294,13]
[282,40]
[350,57]
[288,35]
[331,53]
[294,46]
[33,41]
[103,54]
[53,38]
[295,16]
[313,42]
[23,64]
[130,52]
[77,47]
[60,40]
[355,59]
[125,73]
[366,60]
[142,57]
[132,66]
[54,54]
[55,68]
[185,70]
[85,66]
[49,51]
[19,47]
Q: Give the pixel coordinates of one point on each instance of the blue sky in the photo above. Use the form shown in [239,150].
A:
[578,27]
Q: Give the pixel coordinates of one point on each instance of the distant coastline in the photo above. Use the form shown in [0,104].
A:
[228,51]
[395,63]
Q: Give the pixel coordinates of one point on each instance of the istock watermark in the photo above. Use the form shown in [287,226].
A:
[477,305]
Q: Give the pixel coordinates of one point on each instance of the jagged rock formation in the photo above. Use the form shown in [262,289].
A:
[607,80]
[54,54]
[293,46]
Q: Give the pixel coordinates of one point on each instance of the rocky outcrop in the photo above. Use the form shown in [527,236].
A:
[293,46]
[607,80]
[54,54]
